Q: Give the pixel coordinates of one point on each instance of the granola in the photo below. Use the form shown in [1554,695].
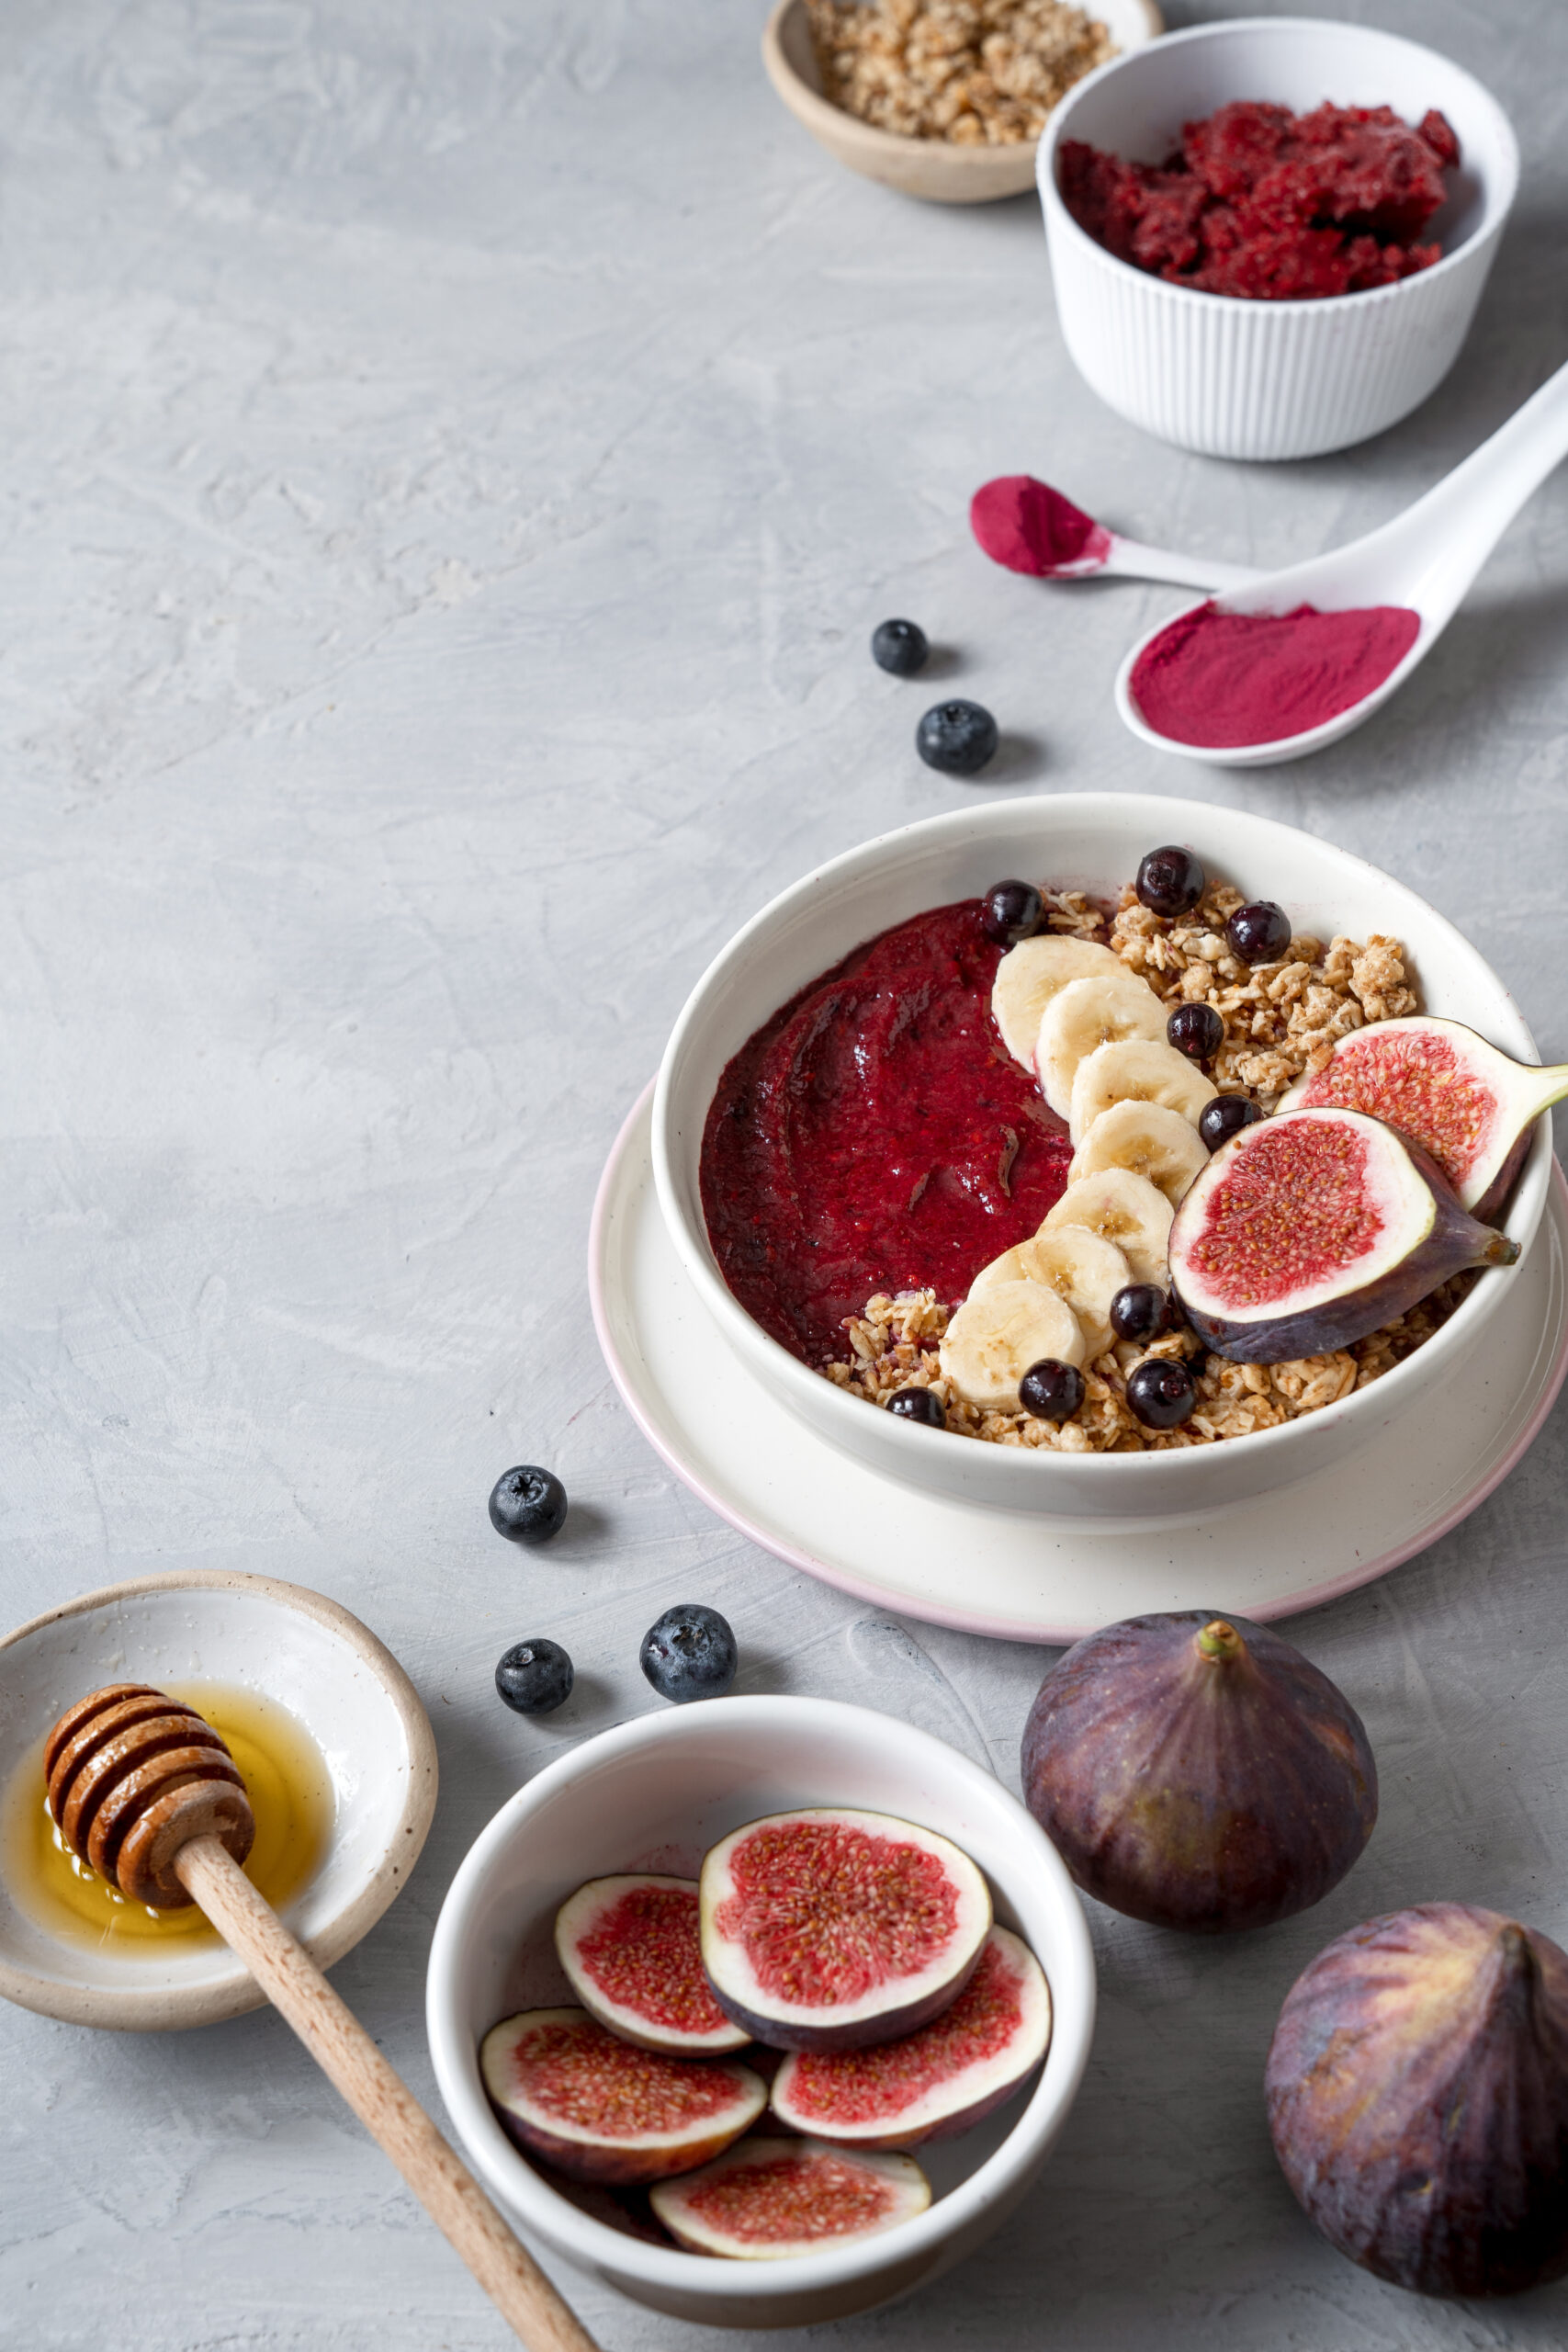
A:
[1282,1020]
[975,72]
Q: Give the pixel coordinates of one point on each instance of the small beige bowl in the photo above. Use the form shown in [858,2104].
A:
[923,167]
[291,1646]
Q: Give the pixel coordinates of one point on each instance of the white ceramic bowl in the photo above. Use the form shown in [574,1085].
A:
[1272,379]
[928,169]
[1092,841]
[291,1645]
[658,1791]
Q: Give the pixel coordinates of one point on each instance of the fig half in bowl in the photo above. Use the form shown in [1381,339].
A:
[1092,842]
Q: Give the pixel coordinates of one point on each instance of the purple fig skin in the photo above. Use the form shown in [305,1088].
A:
[1417,2092]
[1456,1240]
[1199,1772]
[888,2025]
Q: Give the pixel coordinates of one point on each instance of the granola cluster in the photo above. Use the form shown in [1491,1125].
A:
[894,1345]
[1281,1020]
[976,72]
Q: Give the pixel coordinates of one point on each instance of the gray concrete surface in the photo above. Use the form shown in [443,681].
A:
[450,462]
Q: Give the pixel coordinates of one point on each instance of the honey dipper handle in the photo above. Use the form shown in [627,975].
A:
[381,2100]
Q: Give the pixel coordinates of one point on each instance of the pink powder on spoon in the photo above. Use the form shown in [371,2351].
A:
[1223,681]
[1031,528]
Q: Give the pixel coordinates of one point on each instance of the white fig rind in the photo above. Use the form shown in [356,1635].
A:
[894,2113]
[1424,1237]
[904,2191]
[882,2010]
[587,2152]
[575,1922]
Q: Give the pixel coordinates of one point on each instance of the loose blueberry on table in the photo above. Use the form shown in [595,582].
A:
[527,1505]
[1170,881]
[900,649]
[1197,1031]
[535,1677]
[690,1653]
[957,736]
[1010,912]
[1226,1116]
[1161,1392]
[1258,934]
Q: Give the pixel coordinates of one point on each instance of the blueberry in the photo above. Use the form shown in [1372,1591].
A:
[1051,1391]
[899,647]
[1171,880]
[1161,1392]
[1226,1116]
[535,1677]
[1010,912]
[956,737]
[1197,1031]
[1258,934]
[919,1405]
[690,1653]
[527,1505]
[1140,1312]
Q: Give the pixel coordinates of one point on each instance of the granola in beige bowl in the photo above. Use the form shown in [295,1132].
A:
[1357,941]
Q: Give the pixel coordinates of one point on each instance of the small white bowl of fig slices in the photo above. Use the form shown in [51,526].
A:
[1115,1158]
[765,2010]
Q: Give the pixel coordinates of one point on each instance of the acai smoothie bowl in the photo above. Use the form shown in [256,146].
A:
[1143,1184]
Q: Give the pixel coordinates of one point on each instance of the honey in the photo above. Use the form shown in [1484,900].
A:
[290,1791]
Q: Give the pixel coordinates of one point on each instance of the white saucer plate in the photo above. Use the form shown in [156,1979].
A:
[1022,1576]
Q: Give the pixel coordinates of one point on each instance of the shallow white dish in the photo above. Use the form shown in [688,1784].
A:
[657,1792]
[725,1435]
[1092,841]
[293,1645]
[1241,379]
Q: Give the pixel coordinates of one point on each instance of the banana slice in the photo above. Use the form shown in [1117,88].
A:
[1147,1137]
[998,1333]
[1126,1209]
[1136,1070]
[1098,1011]
[1084,1269]
[1028,977]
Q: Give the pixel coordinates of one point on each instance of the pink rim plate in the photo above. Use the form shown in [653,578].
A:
[995,1627]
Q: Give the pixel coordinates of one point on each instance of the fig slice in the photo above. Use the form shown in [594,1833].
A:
[1198,1772]
[582,2099]
[937,2082]
[1314,1229]
[632,1955]
[770,2198]
[1417,2092]
[828,1930]
[1468,1104]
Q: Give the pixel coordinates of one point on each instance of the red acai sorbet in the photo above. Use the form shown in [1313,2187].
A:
[876,1135]
[1270,205]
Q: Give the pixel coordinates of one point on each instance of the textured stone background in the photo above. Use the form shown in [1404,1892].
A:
[450,460]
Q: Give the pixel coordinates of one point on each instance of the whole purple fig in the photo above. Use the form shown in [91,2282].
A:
[1197,1771]
[1418,2091]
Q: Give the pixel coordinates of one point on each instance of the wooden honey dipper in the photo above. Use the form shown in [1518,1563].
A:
[145,1793]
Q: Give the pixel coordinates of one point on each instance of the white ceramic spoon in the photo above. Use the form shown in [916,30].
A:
[1424,560]
[1135,561]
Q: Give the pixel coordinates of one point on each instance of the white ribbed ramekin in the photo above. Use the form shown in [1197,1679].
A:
[1239,378]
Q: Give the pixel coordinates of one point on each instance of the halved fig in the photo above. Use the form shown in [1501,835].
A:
[1314,1229]
[594,2107]
[769,2199]
[1444,1086]
[828,1930]
[632,1955]
[937,2082]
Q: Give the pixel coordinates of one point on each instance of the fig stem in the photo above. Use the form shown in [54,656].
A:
[1499,1251]
[1219,1641]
